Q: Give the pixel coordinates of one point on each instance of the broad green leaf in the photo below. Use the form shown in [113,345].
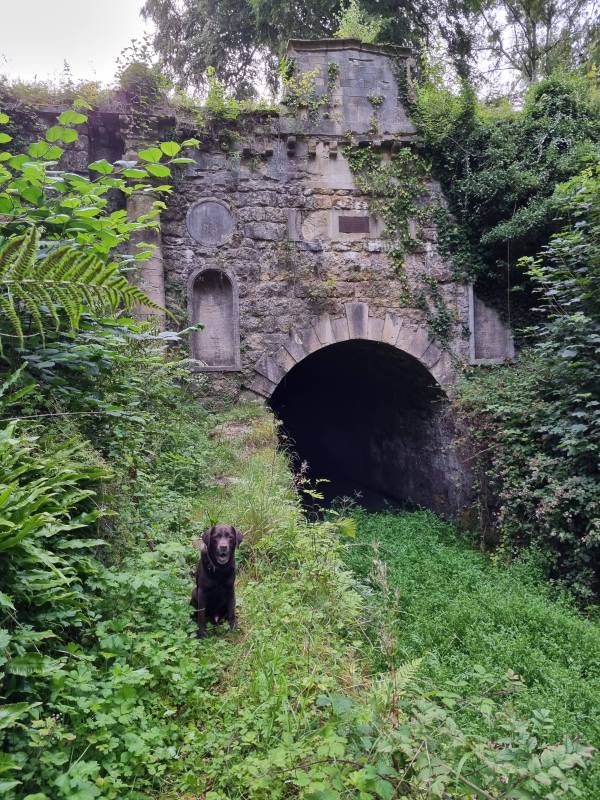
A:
[102,166]
[134,172]
[5,137]
[58,219]
[190,142]
[70,202]
[12,712]
[59,134]
[54,153]
[5,155]
[32,195]
[16,162]
[6,786]
[87,212]
[182,161]
[4,118]
[31,664]
[152,154]
[159,170]
[6,204]
[72,118]
[170,148]
[38,149]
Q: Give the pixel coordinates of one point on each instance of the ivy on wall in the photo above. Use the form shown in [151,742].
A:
[398,192]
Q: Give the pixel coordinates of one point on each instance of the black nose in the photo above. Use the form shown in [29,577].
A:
[223,548]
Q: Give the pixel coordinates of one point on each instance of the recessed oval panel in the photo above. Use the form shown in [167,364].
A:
[210,222]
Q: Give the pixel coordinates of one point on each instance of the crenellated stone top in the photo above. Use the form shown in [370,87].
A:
[361,82]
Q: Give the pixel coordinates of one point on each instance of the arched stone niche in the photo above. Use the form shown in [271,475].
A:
[213,301]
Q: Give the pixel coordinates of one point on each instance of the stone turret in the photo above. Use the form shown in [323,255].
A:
[362,82]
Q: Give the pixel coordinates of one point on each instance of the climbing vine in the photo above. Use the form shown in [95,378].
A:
[455,247]
[397,190]
[301,93]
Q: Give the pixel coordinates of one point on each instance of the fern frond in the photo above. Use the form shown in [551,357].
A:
[57,263]
[22,266]
[31,303]
[406,673]
[8,252]
[65,282]
[46,299]
[8,309]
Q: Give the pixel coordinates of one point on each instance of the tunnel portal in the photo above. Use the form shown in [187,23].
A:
[371,419]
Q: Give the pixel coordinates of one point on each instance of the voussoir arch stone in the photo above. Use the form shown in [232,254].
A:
[356,323]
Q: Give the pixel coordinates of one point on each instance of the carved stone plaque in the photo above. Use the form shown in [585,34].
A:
[354,224]
[210,222]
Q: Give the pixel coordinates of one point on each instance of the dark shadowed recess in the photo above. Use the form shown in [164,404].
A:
[374,422]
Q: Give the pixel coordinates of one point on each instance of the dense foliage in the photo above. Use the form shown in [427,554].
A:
[507,45]
[110,468]
[499,167]
[536,424]
[244,43]
[478,626]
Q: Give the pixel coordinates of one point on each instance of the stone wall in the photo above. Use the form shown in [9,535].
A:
[279,211]
[269,243]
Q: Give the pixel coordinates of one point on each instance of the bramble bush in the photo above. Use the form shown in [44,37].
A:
[499,167]
[536,424]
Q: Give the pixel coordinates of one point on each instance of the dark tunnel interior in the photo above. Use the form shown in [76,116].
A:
[371,420]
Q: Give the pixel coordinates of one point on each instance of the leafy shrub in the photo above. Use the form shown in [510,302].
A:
[355,23]
[499,167]
[536,425]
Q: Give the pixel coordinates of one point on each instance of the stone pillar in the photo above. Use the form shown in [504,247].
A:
[149,277]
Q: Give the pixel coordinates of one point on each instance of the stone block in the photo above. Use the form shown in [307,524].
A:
[310,340]
[391,327]
[444,372]
[413,340]
[268,367]
[340,329]
[324,329]
[295,346]
[432,355]
[284,360]
[357,315]
[261,386]
[266,231]
[375,329]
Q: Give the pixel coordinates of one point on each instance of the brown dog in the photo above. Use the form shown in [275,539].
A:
[214,594]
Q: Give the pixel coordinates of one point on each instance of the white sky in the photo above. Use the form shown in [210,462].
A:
[37,36]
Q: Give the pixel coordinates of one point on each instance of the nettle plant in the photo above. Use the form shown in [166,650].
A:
[77,209]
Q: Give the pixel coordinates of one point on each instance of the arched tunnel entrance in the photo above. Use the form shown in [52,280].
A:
[372,420]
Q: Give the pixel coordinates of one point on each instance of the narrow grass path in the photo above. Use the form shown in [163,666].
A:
[466,614]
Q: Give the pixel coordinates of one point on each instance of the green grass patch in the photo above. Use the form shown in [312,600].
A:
[464,614]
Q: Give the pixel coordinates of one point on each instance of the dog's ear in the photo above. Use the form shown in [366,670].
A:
[205,541]
[239,538]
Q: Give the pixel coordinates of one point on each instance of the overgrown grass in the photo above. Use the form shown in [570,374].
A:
[293,704]
[469,617]
[138,707]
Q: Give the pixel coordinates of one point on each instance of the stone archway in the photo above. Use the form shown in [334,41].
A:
[410,337]
[364,403]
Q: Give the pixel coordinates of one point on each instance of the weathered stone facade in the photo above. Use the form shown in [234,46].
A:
[269,243]
[307,259]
